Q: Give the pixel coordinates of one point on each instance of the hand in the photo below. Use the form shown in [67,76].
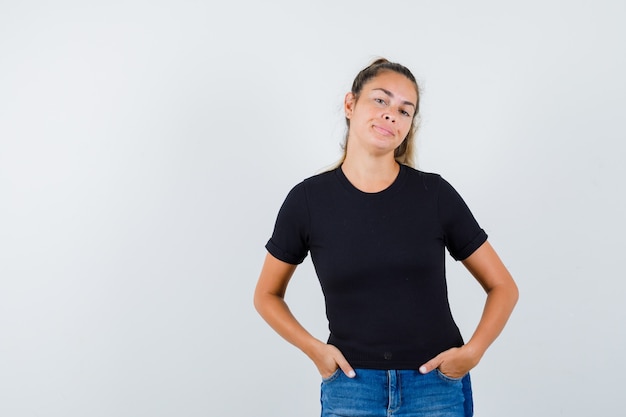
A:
[328,358]
[455,362]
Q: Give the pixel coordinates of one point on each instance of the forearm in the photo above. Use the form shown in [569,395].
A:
[498,308]
[456,362]
[277,314]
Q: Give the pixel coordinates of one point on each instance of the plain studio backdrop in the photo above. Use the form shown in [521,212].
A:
[146,147]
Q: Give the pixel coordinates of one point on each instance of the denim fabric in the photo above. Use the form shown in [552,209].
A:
[398,393]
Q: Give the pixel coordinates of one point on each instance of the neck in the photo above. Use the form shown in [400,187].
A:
[370,173]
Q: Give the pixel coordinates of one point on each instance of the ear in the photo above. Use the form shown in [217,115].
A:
[348,104]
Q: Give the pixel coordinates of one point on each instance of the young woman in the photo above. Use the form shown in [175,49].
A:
[377,230]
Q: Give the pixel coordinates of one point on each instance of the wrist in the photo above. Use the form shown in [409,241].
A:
[312,348]
[474,352]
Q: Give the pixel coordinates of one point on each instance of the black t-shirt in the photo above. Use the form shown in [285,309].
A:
[380,260]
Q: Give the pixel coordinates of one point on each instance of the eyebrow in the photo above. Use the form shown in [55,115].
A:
[390,94]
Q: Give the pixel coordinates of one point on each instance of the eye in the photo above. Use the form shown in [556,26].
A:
[405,113]
[379,100]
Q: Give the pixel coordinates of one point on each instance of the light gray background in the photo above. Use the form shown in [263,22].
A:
[146,146]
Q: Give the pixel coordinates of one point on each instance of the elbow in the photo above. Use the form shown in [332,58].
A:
[257,301]
[513,293]
[262,300]
[506,291]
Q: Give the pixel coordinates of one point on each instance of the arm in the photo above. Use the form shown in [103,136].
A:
[502,294]
[269,300]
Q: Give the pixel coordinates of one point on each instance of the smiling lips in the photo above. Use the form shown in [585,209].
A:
[383,131]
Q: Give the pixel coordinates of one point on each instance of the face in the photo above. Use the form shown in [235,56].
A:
[382,115]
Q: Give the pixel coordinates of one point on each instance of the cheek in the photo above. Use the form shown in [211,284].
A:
[405,130]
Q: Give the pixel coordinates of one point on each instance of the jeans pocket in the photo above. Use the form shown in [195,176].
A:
[332,376]
[448,378]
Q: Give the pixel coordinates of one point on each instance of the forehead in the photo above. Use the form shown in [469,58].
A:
[396,83]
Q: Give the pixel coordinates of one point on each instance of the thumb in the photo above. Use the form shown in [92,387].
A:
[345,366]
[431,365]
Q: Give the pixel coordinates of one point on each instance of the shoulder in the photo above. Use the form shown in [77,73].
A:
[432,184]
[313,185]
[316,182]
[429,181]
[321,178]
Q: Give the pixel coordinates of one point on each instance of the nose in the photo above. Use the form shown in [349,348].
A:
[388,117]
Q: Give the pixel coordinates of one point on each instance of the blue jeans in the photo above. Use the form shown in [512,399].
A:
[398,393]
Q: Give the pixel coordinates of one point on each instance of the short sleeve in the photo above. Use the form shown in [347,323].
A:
[290,239]
[462,233]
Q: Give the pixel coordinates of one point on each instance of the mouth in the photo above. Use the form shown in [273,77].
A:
[383,131]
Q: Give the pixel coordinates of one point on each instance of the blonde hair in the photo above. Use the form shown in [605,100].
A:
[405,153]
